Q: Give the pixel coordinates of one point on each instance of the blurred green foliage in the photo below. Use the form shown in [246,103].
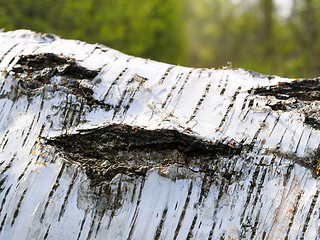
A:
[252,34]
[150,29]
[204,33]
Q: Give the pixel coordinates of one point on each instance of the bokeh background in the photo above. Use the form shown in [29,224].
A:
[280,37]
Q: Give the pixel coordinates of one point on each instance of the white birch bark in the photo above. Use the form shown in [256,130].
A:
[256,181]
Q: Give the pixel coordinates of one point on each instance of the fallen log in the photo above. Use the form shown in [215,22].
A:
[96,144]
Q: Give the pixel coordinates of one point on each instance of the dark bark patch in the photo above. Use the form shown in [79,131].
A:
[61,73]
[313,119]
[302,95]
[68,66]
[301,89]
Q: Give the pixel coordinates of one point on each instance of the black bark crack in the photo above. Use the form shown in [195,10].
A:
[117,148]
[311,161]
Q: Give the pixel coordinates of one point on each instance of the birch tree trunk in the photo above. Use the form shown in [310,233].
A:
[96,144]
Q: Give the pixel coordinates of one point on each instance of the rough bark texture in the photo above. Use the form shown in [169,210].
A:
[95,144]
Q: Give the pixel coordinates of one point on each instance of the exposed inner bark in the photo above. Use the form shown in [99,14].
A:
[117,148]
